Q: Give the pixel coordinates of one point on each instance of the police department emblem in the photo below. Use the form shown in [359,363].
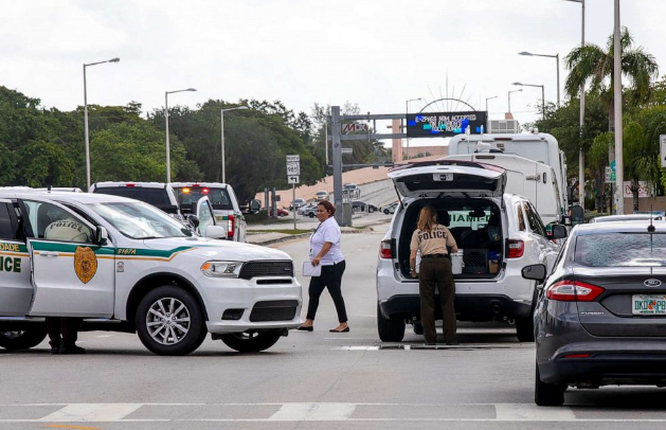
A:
[85,264]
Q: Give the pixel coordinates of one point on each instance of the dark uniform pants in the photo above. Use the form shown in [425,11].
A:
[436,272]
[67,327]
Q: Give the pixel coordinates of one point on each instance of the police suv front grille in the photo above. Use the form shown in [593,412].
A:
[277,310]
[266,268]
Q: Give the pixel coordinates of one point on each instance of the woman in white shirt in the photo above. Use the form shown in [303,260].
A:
[325,251]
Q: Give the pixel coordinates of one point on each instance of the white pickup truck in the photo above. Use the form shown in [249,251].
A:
[132,268]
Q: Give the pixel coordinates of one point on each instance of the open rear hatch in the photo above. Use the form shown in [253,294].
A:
[449,178]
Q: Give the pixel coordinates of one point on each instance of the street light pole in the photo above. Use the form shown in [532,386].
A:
[166,117]
[617,100]
[85,115]
[543,96]
[222,150]
[581,155]
[557,61]
[407,113]
[489,98]
[509,96]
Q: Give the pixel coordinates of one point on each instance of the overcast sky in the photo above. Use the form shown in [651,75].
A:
[376,53]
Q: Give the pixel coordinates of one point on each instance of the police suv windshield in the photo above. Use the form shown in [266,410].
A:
[139,220]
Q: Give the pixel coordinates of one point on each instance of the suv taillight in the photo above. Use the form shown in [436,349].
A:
[516,248]
[573,291]
[230,231]
[385,249]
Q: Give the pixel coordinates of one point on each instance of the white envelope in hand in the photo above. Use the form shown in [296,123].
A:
[310,270]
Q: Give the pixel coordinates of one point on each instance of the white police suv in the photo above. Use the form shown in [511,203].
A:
[127,266]
[497,233]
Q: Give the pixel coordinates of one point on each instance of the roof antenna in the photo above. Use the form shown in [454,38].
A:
[651,228]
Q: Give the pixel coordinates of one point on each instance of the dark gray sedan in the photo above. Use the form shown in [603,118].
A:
[600,318]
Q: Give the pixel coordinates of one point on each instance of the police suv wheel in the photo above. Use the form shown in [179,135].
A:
[13,340]
[251,341]
[391,329]
[169,321]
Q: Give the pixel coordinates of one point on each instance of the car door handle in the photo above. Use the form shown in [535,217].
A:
[49,253]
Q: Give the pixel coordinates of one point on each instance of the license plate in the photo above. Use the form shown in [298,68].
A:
[648,304]
[442,176]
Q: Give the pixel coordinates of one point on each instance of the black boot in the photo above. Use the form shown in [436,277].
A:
[71,349]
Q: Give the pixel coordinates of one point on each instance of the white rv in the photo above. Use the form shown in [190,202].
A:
[541,147]
[528,178]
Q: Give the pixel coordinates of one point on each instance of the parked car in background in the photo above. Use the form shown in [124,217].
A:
[225,205]
[280,212]
[600,317]
[308,210]
[390,208]
[628,217]
[358,205]
[321,195]
[351,190]
[297,204]
[158,194]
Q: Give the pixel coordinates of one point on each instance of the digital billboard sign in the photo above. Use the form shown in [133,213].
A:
[445,124]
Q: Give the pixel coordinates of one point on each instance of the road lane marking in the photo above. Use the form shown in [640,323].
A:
[61,426]
[323,411]
[313,412]
[92,412]
[532,412]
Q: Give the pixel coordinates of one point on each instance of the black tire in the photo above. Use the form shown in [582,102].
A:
[192,337]
[251,341]
[371,209]
[547,394]
[525,329]
[418,329]
[311,214]
[386,211]
[14,340]
[390,330]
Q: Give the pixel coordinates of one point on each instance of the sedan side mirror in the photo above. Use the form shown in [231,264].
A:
[534,272]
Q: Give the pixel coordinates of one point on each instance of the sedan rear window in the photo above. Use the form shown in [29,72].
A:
[621,249]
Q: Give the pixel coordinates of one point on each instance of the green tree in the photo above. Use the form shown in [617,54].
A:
[592,63]
[45,163]
[597,159]
[134,152]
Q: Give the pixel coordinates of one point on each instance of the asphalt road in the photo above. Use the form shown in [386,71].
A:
[313,380]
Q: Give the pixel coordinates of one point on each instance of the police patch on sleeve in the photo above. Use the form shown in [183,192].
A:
[85,263]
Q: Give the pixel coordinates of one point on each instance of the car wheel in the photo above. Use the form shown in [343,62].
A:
[547,394]
[311,214]
[525,329]
[391,329]
[371,209]
[251,341]
[169,321]
[386,211]
[13,340]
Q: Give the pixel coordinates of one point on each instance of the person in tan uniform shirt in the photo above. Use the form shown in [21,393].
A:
[432,240]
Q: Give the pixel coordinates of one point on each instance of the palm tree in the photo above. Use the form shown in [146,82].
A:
[591,63]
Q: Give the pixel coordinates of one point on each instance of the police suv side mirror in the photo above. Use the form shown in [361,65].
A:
[101,235]
[556,231]
[255,206]
[193,220]
[534,272]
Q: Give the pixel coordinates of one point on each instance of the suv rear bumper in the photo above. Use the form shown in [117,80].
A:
[468,307]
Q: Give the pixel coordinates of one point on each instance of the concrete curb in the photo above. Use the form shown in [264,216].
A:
[289,237]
